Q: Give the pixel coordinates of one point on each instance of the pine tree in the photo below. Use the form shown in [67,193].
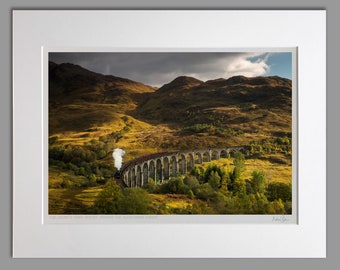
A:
[258,181]
[214,180]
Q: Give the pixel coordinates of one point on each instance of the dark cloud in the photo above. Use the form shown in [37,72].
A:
[160,68]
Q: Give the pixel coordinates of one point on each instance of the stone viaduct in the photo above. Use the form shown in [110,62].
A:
[163,165]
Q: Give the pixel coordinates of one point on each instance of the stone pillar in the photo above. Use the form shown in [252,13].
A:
[159,174]
[209,155]
[200,158]
[133,177]
[152,170]
[192,159]
[174,162]
[138,176]
[145,173]
[126,180]
[166,162]
[183,165]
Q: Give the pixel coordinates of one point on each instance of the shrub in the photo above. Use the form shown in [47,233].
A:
[191,181]
[213,170]
[205,192]
[239,187]
[214,180]
[271,145]
[288,207]
[135,201]
[109,199]
[66,183]
[93,178]
[101,154]
[197,128]
[198,172]
[174,186]
[249,187]
[151,186]
[191,194]
[276,207]
[276,190]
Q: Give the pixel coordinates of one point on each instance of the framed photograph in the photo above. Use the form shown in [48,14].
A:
[174,144]
[156,140]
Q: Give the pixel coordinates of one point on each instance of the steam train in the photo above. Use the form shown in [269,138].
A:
[119,179]
[119,173]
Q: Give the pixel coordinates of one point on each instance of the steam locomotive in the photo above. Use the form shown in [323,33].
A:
[119,173]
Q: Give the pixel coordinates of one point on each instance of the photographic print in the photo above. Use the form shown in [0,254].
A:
[121,127]
[170,133]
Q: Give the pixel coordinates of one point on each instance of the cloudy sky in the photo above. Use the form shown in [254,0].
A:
[157,69]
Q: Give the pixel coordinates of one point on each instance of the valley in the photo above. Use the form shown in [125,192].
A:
[91,114]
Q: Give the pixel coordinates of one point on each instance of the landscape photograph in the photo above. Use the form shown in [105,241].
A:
[170,133]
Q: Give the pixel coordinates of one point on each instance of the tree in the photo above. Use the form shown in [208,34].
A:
[191,181]
[198,172]
[276,190]
[175,186]
[205,192]
[151,186]
[236,174]
[135,201]
[224,184]
[239,161]
[101,154]
[81,171]
[258,181]
[93,178]
[214,180]
[275,207]
[214,169]
[109,199]
[249,187]
[239,187]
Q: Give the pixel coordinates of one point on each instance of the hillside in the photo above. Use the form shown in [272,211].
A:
[80,99]
[183,99]
[239,108]
[184,113]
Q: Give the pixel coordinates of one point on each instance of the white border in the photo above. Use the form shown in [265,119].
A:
[34,30]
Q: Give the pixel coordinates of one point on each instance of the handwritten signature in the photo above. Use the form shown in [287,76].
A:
[280,219]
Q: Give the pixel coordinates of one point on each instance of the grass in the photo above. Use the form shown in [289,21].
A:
[62,201]
[89,195]
[57,177]
[275,172]
[70,201]
[178,201]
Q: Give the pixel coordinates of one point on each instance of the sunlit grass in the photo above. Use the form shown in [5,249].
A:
[72,200]
[172,200]
[275,172]
[89,195]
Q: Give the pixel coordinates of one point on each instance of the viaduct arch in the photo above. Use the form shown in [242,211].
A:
[164,165]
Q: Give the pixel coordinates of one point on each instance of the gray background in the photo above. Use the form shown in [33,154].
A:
[6,262]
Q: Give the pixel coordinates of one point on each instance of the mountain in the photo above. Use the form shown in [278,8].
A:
[179,84]
[188,101]
[74,80]
[79,98]
[182,114]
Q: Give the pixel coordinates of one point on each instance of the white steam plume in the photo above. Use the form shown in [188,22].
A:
[118,157]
